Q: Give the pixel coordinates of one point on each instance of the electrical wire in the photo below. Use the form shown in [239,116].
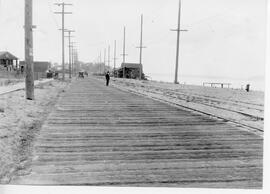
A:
[52,14]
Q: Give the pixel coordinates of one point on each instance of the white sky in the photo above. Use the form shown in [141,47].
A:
[226,37]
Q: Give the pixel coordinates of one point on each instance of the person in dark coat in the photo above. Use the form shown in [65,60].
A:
[248,87]
[107,78]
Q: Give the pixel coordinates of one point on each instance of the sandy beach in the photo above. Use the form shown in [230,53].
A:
[238,106]
[20,121]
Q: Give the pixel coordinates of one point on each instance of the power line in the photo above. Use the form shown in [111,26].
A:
[63,13]
[52,14]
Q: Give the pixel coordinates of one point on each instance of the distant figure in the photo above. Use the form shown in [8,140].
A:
[248,87]
[81,75]
[56,75]
[107,78]
[22,69]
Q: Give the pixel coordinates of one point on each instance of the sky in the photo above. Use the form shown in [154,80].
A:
[225,38]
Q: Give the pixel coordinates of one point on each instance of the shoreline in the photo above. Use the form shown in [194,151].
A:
[237,84]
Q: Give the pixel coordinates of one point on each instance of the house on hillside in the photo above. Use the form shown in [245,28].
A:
[8,61]
[130,71]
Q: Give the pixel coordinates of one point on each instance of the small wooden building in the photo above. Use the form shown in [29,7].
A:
[40,68]
[8,60]
[130,71]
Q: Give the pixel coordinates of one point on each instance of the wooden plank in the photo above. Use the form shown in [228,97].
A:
[99,135]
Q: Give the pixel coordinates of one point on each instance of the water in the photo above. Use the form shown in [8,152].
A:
[257,83]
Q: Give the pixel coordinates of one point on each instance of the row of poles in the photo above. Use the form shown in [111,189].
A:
[124,54]
[73,54]
[141,47]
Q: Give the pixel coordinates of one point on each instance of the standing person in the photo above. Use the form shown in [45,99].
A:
[107,78]
[248,87]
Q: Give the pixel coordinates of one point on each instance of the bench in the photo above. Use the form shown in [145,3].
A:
[222,85]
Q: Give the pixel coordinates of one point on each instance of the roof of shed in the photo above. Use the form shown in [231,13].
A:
[131,65]
[7,55]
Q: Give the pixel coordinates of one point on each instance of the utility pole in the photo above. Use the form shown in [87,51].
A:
[178,43]
[28,27]
[69,46]
[76,61]
[141,47]
[100,62]
[109,57]
[63,13]
[124,46]
[104,60]
[72,57]
[73,48]
[114,59]
[141,40]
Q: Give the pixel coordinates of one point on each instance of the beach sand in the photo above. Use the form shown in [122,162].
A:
[239,106]
[20,121]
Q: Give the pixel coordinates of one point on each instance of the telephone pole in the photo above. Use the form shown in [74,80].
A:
[109,57]
[69,46]
[124,46]
[28,27]
[63,13]
[100,62]
[114,59]
[178,30]
[75,60]
[141,47]
[104,59]
[72,46]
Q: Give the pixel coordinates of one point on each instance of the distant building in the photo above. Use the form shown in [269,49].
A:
[130,71]
[40,68]
[7,60]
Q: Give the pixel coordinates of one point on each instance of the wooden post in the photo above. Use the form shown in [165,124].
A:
[29,80]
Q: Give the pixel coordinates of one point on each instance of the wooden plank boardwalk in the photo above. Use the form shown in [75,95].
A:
[102,136]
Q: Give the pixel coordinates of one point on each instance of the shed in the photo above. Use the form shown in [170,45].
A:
[39,66]
[130,70]
[7,60]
